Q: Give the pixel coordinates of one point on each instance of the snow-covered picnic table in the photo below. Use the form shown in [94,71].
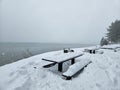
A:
[92,50]
[62,57]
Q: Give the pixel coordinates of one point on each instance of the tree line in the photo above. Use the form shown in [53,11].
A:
[113,34]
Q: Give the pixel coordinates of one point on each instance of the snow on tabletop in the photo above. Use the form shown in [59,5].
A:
[112,46]
[63,56]
[76,67]
[93,47]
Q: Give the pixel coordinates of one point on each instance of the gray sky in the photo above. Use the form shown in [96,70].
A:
[56,21]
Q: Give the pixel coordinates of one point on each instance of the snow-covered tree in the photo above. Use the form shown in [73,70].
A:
[103,41]
[114,32]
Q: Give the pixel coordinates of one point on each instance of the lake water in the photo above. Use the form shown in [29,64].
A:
[11,52]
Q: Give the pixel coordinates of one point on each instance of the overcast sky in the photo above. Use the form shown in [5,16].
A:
[56,21]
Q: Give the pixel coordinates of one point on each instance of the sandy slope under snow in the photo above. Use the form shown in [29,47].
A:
[102,74]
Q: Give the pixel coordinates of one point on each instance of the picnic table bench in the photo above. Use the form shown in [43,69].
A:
[49,64]
[75,68]
[61,58]
[115,49]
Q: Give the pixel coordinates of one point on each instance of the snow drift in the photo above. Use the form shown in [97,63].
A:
[28,74]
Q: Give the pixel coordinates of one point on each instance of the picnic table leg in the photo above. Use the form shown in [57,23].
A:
[90,51]
[73,61]
[60,67]
[93,51]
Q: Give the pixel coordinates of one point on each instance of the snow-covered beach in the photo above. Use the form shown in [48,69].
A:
[28,74]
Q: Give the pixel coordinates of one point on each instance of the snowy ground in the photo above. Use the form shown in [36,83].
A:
[27,74]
